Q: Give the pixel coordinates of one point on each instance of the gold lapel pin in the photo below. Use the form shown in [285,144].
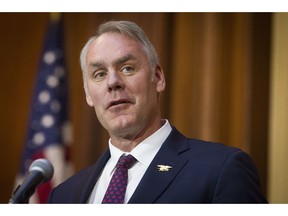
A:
[164,168]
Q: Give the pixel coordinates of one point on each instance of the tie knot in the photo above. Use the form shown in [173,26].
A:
[126,161]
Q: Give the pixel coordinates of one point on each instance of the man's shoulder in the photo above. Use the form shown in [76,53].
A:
[79,177]
[197,142]
[71,190]
[206,145]
[91,170]
[202,148]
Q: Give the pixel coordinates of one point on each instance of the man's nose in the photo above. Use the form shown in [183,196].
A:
[114,81]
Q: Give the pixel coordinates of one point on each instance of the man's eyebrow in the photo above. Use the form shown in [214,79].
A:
[96,64]
[119,61]
[123,59]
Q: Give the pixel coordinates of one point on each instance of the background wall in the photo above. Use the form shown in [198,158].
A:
[217,67]
[278,139]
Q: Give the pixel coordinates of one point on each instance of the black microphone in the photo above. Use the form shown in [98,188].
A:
[40,171]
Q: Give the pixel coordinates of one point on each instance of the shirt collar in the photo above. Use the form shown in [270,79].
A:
[145,151]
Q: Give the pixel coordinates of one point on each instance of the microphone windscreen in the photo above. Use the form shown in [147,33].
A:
[44,166]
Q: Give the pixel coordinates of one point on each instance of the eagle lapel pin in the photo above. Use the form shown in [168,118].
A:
[164,168]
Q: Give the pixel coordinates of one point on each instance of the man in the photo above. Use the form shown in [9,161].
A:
[123,81]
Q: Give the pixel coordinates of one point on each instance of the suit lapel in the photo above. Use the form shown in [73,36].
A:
[154,182]
[86,190]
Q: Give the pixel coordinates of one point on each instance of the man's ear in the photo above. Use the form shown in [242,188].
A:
[88,97]
[89,101]
[159,79]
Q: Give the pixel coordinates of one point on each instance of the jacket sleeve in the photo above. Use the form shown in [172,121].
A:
[238,181]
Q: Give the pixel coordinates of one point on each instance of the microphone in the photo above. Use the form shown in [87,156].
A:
[40,171]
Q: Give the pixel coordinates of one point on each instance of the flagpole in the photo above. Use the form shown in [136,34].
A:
[55,17]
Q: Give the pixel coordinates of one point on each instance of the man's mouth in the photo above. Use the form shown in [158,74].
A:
[118,102]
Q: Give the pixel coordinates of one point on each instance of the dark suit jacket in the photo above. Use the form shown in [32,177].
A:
[202,172]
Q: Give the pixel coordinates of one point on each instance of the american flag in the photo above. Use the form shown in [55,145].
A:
[49,131]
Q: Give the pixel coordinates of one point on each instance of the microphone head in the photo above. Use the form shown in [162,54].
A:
[44,166]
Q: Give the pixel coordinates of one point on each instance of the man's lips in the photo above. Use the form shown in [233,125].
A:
[118,102]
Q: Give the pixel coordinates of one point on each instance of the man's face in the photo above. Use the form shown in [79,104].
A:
[121,86]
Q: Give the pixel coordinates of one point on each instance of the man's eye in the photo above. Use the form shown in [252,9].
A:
[99,75]
[127,69]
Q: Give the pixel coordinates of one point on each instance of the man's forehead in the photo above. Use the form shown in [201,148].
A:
[111,36]
[110,40]
[112,45]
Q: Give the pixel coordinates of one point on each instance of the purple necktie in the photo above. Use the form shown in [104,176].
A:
[117,187]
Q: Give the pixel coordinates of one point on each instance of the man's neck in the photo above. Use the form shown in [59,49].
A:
[128,143]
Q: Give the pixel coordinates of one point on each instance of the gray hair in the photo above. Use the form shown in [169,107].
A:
[127,28]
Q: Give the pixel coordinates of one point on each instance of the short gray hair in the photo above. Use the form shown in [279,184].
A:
[127,28]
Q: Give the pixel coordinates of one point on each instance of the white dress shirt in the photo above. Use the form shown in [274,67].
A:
[144,152]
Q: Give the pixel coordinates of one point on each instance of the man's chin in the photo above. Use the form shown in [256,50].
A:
[120,127]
